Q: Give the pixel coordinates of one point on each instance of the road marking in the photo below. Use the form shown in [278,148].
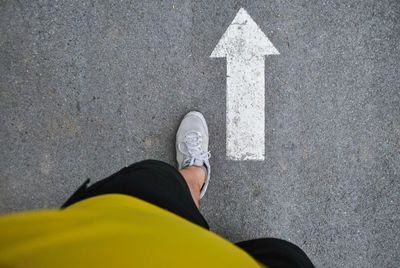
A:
[244,45]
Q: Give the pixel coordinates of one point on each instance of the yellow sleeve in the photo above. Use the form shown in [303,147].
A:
[112,231]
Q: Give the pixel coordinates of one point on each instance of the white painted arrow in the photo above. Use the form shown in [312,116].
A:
[244,45]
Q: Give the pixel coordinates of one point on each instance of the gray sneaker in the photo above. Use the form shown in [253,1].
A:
[192,145]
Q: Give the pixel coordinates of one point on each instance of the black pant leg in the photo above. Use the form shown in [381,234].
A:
[153,181]
[276,253]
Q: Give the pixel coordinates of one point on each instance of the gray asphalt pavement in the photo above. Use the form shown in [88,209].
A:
[88,87]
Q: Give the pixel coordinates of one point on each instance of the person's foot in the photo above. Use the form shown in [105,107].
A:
[192,145]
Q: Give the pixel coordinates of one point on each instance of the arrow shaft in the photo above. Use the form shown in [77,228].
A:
[245,113]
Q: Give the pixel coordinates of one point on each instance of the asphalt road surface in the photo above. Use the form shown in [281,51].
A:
[88,87]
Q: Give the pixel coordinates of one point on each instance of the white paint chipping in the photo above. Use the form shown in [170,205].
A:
[244,45]
[45,164]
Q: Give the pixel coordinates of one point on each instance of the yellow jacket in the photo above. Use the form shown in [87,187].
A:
[112,230]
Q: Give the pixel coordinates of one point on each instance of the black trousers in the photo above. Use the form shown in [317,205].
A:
[153,181]
[162,185]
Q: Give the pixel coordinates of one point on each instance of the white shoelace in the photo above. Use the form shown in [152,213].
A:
[193,143]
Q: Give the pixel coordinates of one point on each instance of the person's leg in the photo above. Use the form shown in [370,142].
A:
[278,253]
[161,184]
[194,177]
[153,181]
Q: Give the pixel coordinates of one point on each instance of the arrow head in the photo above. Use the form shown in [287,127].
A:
[243,38]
